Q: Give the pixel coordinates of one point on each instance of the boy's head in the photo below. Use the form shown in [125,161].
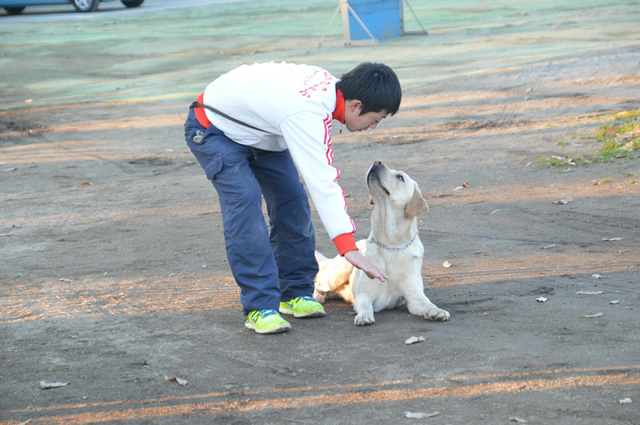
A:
[375,85]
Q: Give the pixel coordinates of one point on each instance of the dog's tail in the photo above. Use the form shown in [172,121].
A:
[320,257]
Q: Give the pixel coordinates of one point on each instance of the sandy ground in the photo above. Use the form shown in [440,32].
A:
[113,274]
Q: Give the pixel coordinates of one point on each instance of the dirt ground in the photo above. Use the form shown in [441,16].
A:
[113,275]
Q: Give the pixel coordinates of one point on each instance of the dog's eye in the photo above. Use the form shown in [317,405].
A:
[399,177]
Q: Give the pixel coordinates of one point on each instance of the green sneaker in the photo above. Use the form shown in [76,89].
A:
[266,322]
[302,307]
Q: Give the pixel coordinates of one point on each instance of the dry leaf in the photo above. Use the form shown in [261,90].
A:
[420,415]
[414,339]
[589,292]
[625,401]
[86,184]
[611,239]
[596,276]
[517,419]
[179,381]
[548,246]
[592,316]
[462,186]
[49,385]
[614,302]
[541,299]
[446,264]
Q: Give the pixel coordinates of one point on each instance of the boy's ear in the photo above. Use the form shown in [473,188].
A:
[353,104]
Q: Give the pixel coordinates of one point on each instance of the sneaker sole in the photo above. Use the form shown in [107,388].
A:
[316,313]
[279,329]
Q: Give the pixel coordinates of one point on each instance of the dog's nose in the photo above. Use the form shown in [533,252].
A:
[378,163]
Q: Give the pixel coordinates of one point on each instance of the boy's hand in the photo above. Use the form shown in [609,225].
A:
[360,261]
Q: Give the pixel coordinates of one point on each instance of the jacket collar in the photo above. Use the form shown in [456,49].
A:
[338,113]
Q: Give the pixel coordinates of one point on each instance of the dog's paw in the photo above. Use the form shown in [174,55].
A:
[437,314]
[363,319]
[319,296]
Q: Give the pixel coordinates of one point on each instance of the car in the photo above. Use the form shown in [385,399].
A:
[14,7]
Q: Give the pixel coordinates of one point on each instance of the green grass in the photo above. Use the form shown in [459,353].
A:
[618,136]
[560,161]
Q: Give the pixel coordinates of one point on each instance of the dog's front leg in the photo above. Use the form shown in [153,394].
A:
[420,305]
[364,308]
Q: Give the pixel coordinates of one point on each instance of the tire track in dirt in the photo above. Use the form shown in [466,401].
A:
[221,404]
[582,221]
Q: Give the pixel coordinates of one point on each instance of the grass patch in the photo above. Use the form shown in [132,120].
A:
[560,161]
[619,137]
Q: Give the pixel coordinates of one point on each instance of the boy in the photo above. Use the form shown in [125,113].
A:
[252,131]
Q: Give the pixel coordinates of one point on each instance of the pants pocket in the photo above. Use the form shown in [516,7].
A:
[213,166]
[205,152]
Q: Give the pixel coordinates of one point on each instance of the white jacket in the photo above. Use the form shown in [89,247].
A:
[294,105]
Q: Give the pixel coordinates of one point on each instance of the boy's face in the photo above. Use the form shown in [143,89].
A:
[355,121]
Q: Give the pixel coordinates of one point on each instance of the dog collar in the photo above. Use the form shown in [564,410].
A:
[394,248]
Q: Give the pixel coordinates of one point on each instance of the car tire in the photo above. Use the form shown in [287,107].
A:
[132,3]
[14,10]
[86,5]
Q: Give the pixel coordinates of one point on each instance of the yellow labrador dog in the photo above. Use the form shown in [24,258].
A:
[393,246]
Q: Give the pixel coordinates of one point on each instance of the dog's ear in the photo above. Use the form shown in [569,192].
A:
[417,205]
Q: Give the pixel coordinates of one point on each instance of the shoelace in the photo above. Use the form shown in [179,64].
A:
[296,300]
[307,298]
[261,314]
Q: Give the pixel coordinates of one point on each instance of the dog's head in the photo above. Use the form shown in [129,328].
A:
[396,188]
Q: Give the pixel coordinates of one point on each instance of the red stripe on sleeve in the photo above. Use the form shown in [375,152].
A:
[327,139]
[344,243]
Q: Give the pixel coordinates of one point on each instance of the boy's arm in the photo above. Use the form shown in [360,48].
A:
[308,137]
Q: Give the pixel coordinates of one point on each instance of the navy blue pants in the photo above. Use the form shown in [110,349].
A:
[272,263]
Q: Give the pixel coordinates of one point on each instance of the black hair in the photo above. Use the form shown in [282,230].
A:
[375,85]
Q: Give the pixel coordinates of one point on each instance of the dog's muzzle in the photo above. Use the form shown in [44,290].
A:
[375,173]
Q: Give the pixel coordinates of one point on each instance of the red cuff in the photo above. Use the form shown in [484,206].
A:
[345,243]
